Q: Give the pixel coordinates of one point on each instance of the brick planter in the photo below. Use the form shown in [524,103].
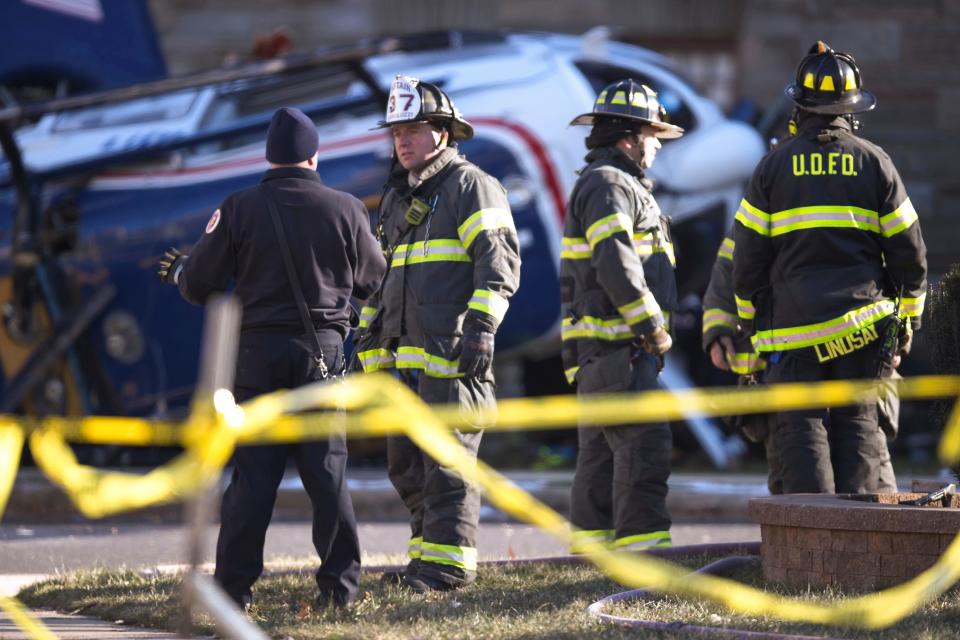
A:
[859,542]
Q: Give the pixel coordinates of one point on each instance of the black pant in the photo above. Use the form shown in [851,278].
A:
[622,471]
[267,362]
[444,508]
[835,450]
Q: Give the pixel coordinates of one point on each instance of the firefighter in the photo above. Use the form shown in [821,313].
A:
[829,273]
[454,262]
[617,289]
[327,237]
[730,349]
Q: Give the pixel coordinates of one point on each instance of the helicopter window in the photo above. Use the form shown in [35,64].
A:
[138,111]
[599,75]
[301,87]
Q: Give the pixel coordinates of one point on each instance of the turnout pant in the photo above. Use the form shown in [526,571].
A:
[267,362]
[444,509]
[835,450]
[620,487]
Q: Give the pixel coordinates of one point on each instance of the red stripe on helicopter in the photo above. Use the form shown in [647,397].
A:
[536,148]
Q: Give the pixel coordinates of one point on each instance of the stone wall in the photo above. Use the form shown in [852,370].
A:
[852,559]
[851,543]
[200,33]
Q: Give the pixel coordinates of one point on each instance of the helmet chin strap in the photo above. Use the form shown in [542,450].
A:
[636,139]
[444,138]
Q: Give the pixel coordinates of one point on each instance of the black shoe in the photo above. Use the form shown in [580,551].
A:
[243,602]
[396,577]
[393,577]
[424,584]
[326,599]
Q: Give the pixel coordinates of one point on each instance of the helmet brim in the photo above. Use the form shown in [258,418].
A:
[863,101]
[664,129]
[460,128]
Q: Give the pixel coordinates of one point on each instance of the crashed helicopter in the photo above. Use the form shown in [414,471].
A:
[94,187]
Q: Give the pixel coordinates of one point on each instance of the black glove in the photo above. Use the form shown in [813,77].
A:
[170,265]
[476,354]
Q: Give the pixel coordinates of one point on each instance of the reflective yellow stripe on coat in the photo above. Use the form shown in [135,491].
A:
[607,226]
[818,333]
[826,216]
[484,220]
[913,307]
[489,302]
[366,315]
[713,318]
[428,251]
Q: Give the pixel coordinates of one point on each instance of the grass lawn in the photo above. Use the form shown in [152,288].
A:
[518,601]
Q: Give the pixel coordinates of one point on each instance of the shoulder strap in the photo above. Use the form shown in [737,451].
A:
[295,284]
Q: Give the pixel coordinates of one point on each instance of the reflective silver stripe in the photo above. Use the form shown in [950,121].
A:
[443,250]
[484,220]
[726,249]
[590,327]
[575,249]
[433,366]
[639,310]
[913,307]
[607,226]
[899,219]
[823,216]
[413,547]
[366,315]
[462,557]
[643,541]
[375,359]
[489,302]
[719,318]
[813,334]
[753,218]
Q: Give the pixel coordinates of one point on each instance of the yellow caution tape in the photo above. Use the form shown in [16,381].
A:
[949,449]
[11,444]
[268,418]
[209,442]
[25,620]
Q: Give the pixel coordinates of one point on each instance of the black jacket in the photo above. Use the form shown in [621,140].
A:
[720,314]
[334,252]
[460,264]
[617,278]
[825,239]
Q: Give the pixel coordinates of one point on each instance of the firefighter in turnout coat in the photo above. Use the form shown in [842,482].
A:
[829,274]
[730,349]
[617,290]
[454,262]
